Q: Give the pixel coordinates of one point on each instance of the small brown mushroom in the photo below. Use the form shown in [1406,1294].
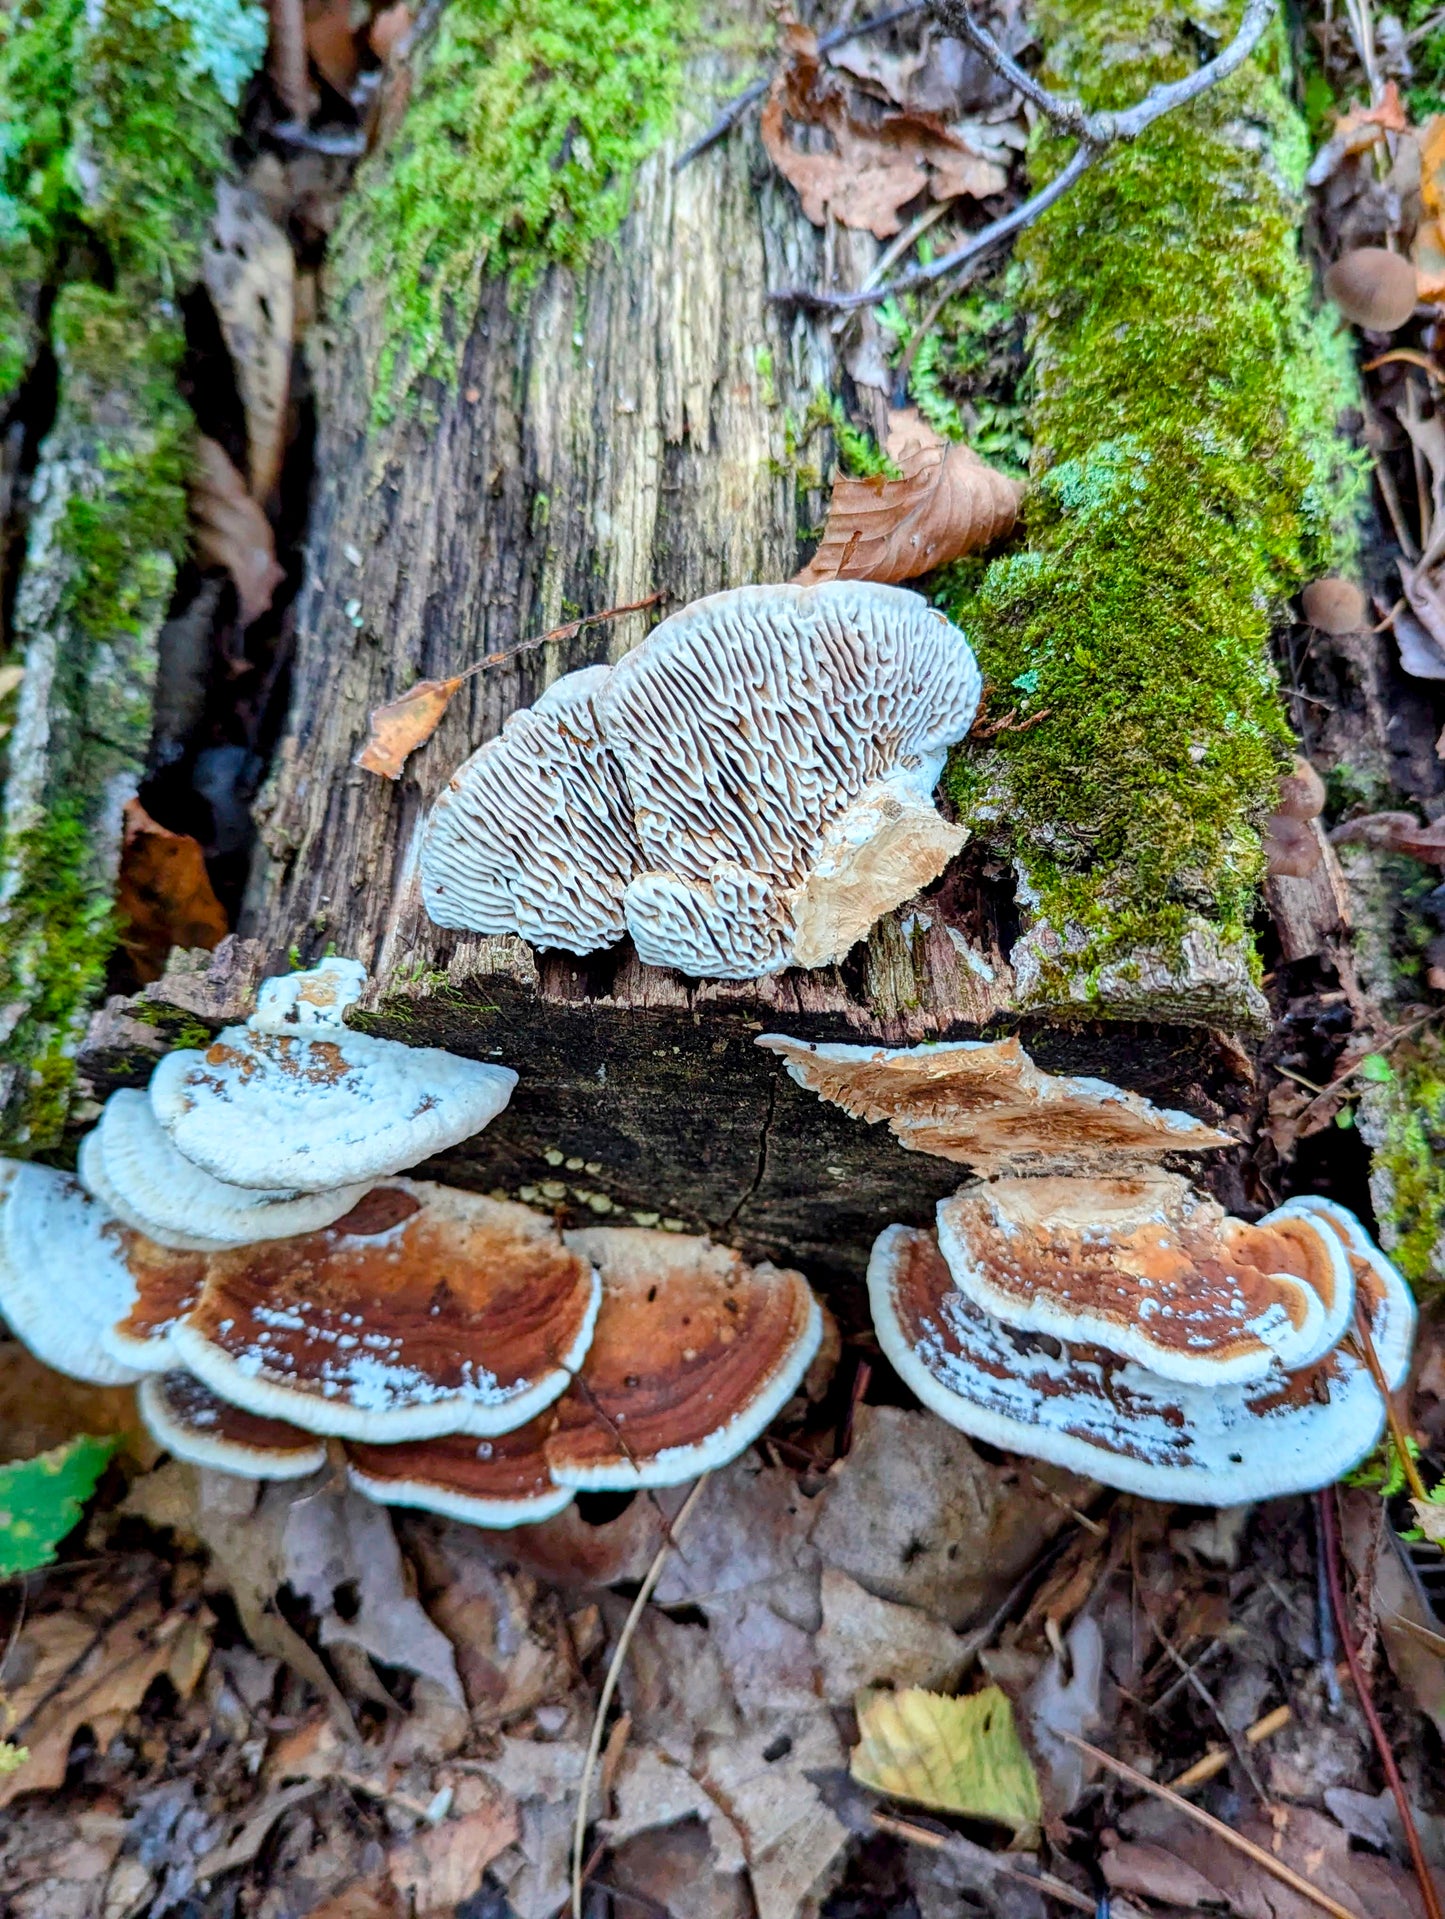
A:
[1373,288]
[1334,605]
[1292,847]
[1302,792]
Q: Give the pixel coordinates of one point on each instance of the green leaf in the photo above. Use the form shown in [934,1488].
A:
[41,1499]
[1376,1068]
[955,1755]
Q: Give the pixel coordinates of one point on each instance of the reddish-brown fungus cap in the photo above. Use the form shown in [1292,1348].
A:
[985,1104]
[1144,1266]
[487,1482]
[695,1353]
[424,1311]
[1082,1407]
[194,1423]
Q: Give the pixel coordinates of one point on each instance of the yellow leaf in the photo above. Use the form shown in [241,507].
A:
[955,1755]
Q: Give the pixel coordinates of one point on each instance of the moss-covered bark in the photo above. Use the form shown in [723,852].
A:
[1187,479]
[118,119]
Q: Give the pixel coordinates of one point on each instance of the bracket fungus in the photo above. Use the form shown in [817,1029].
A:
[426,1311]
[499,1482]
[129,1163]
[1146,1266]
[1086,1408]
[195,1424]
[63,1278]
[695,1354]
[986,1105]
[750,788]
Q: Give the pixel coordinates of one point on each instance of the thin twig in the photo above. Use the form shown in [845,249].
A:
[1392,1418]
[1095,133]
[609,1687]
[1329,1533]
[1402,1032]
[736,107]
[946,1842]
[566,632]
[1266,1860]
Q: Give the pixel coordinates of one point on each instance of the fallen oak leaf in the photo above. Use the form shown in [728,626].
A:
[232,531]
[402,725]
[948,502]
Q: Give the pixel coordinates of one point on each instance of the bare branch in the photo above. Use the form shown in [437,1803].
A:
[1095,133]
[1066,114]
[738,106]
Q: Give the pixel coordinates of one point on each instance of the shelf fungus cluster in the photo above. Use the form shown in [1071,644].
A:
[748,789]
[463,1353]
[1084,1305]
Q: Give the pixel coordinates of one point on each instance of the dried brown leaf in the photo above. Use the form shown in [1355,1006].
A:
[401,726]
[232,531]
[879,163]
[949,502]
[78,1676]
[250,274]
[442,1866]
[164,896]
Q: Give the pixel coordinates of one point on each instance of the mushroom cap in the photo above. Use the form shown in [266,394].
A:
[315,997]
[534,834]
[192,1423]
[307,1113]
[485,1482]
[1373,287]
[426,1311]
[1302,791]
[695,1354]
[1334,605]
[985,1104]
[1080,1407]
[1380,1286]
[130,1164]
[1292,848]
[763,728]
[63,1278]
[1144,1266]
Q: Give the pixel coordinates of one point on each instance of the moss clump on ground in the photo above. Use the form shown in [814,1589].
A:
[1402,1115]
[114,124]
[1187,479]
[517,152]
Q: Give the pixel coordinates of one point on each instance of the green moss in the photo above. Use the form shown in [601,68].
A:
[517,153]
[1187,479]
[38,198]
[1403,1116]
[151,150]
[968,376]
[100,568]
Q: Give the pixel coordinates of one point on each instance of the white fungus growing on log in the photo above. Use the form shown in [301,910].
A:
[748,789]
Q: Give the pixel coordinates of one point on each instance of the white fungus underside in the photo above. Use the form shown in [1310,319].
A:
[130,1163]
[391,1107]
[1222,1454]
[62,1282]
[750,788]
